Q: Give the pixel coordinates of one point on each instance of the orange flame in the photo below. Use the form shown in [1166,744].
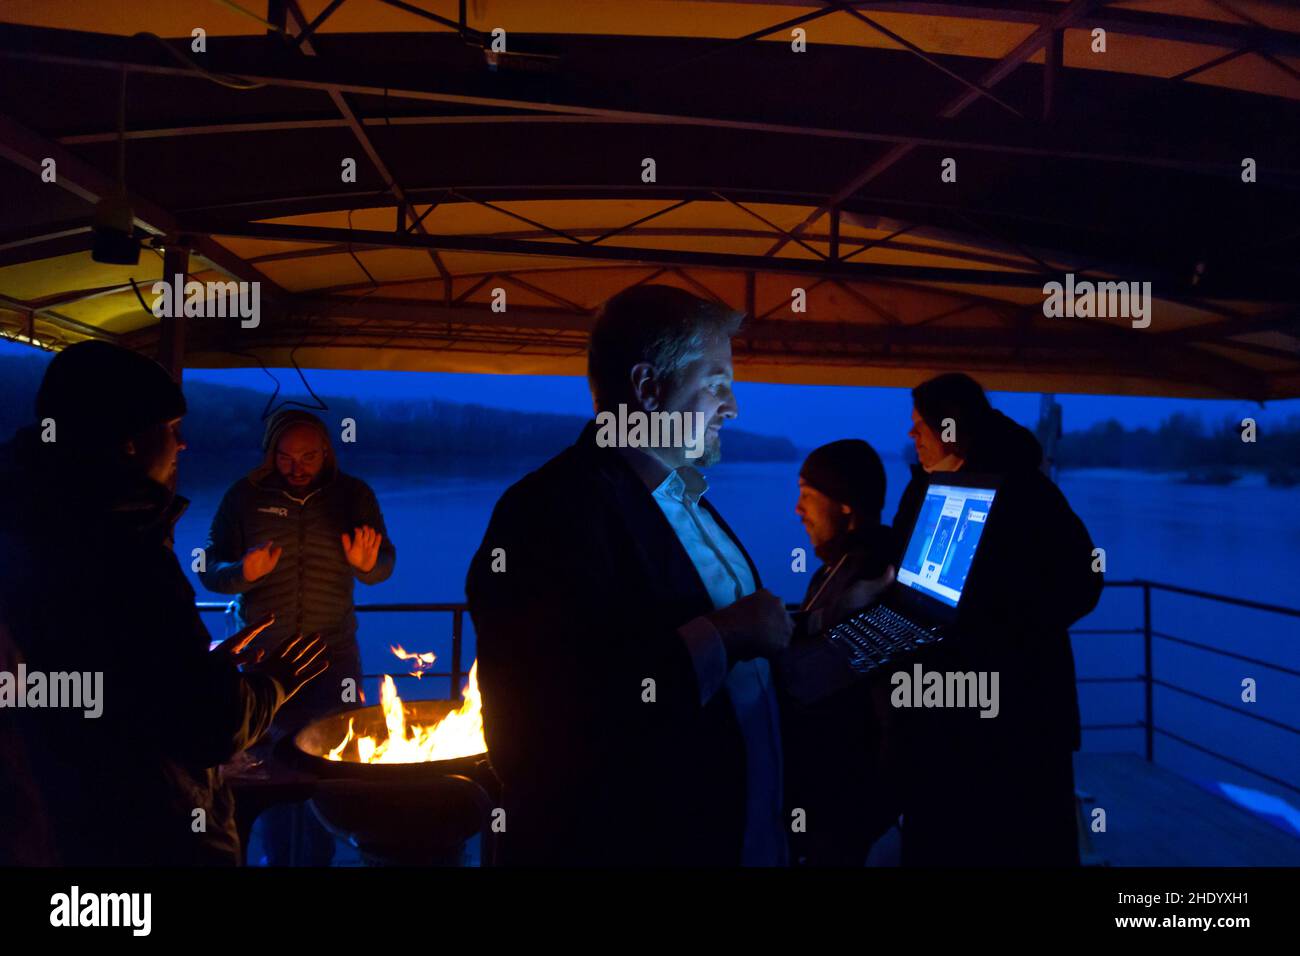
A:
[423,660]
[459,734]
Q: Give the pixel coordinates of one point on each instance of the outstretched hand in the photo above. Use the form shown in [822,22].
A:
[261,561]
[295,662]
[362,548]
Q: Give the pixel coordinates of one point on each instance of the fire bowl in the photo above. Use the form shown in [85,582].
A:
[408,823]
[394,813]
[312,744]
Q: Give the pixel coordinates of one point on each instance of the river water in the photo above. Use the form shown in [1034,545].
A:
[1239,540]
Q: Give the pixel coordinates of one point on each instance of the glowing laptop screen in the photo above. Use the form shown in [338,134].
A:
[942,546]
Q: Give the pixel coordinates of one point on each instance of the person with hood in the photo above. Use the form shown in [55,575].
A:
[835,749]
[1000,791]
[125,773]
[291,538]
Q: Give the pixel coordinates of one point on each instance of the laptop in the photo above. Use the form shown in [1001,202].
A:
[917,610]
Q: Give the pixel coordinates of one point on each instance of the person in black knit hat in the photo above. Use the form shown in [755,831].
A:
[89,586]
[836,749]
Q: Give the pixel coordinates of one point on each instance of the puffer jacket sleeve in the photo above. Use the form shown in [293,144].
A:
[224,551]
[366,512]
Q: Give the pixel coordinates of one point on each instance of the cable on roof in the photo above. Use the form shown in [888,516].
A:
[361,265]
[251,15]
[220,79]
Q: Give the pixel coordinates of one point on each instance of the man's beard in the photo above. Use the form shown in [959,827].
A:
[712,451]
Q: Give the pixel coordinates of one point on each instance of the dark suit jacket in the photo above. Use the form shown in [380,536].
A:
[595,585]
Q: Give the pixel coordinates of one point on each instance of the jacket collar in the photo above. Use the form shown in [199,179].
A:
[634,502]
[133,501]
[859,540]
[268,479]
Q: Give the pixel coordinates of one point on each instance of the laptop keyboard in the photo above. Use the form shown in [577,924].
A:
[876,636]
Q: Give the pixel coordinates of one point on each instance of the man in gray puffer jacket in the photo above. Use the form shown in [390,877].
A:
[290,538]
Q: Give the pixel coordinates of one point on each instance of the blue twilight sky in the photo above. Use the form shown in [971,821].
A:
[809,415]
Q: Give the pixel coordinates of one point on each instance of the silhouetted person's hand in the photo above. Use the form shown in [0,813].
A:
[261,561]
[757,625]
[295,662]
[234,646]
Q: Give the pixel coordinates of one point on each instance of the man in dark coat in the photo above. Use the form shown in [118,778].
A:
[835,749]
[89,585]
[291,538]
[988,792]
[622,630]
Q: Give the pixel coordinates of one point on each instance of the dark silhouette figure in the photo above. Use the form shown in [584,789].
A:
[89,585]
[837,749]
[989,792]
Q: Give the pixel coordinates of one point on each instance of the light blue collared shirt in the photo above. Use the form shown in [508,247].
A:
[722,567]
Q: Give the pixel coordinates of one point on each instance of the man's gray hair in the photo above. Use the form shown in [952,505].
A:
[660,324]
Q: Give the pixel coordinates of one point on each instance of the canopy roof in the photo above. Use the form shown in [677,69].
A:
[773,170]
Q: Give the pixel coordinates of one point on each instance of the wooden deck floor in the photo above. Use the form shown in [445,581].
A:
[1154,817]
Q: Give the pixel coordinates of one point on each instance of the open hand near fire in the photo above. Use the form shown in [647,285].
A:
[757,625]
[261,561]
[235,646]
[362,548]
[295,662]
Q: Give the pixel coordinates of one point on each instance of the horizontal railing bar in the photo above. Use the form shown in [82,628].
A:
[1109,680]
[1134,583]
[447,606]
[444,607]
[1219,703]
[1207,595]
[1228,760]
[1223,653]
[409,676]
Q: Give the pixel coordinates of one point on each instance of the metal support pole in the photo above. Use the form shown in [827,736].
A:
[1053,64]
[1146,654]
[171,331]
[457,637]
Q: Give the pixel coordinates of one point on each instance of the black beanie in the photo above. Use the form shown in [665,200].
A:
[99,395]
[848,471]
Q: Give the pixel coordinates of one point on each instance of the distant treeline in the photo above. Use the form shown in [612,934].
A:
[226,420]
[1182,442]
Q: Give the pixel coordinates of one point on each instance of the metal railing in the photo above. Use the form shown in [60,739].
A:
[1150,681]
[1147,677]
